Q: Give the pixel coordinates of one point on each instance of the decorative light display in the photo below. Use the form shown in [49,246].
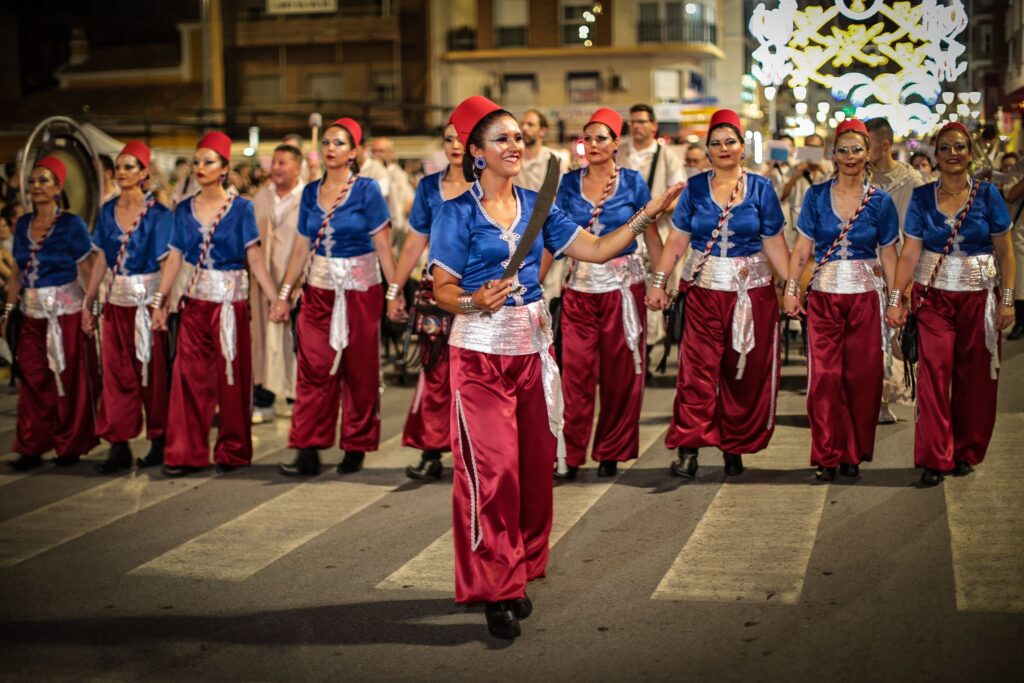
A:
[913,44]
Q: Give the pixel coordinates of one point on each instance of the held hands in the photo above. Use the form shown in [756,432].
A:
[396,309]
[792,306]
[663,201]
[88,322]
[159,318]
[656,299]
[279,311]
[895,316]
[491,297]
[1005,317]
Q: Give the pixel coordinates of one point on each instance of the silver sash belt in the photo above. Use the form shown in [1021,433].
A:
[224,287]
[357,273]
[737,274]
[49,303]
[617,275]
[961,273]
[518,331]
[856,277]
[137,291]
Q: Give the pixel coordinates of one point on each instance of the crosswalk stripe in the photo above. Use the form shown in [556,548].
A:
[237,549]
[433,569]
[753,543]
[986,525]
[28,535]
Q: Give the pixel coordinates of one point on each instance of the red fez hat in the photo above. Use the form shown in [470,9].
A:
[139,151]
[54,166]
[218,142]
[851,126]
[469,113]
[608,117]
[725,117]
[952,125]
[353,128]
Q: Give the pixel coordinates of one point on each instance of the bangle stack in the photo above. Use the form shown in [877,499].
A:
[659,279]
[895,298]
[466,304]
[95,308]
[284,293]
[158,301]
[8,308]
[393,290]
[792,288]
[638,222]
[1007,296]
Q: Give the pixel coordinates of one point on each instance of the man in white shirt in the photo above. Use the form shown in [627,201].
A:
[800,180]
[661,168]
[534,126]
[277,216]
[400,192]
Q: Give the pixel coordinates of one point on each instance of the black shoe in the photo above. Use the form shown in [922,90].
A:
[733,464]
[66,460]
[501,619]
[429,468]
[224,469]
[686,465]
[155,456]
[26,462]
[931,477]
[569,474]
[175,471]
[825,473]
[962,469]
[119,458]
[352,462]
[848,470]
[306,464]
[607,468]
[523,607]
[1016,333]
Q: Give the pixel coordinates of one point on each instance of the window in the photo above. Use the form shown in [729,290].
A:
[584,87]
[263,89]
[510,20]
[577,20]
[324,86]
[384,85]
[672,21]
[519,90]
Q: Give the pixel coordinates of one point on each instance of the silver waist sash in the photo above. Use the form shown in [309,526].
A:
[737,274]
[856,277]
[967,274]
[618,275]
[518,331]
[49,303]
[224,287]
[357,273]
[137,291]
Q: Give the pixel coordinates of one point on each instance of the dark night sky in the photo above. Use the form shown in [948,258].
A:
[44,29]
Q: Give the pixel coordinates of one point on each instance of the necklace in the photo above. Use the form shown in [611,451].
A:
[954,195]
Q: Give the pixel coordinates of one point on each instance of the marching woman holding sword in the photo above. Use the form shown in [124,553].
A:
[845,222]
[507,399]
[729,355]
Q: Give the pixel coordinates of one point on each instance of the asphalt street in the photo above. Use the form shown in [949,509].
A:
[768,576]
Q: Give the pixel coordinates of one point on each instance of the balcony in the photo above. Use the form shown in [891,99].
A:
[684,31]
[463,38]
[323,30]
[510,36]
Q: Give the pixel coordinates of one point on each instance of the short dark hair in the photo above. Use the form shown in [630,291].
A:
[290,149]
[785,136]
[646,108]
[181,160]
[1011,154]
[880,127]
[476,138]
[540,117]
[814,135]
[107,162]
[921,155]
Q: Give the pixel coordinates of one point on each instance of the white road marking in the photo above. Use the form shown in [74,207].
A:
[986,525]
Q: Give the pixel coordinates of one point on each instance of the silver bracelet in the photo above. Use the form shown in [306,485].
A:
[792,288]
[638,222]
[466,304]
[8,308]
[158,301]
[95,308]
[895,298]
[659,279]
[393,290]
[1007,296]
[285,292]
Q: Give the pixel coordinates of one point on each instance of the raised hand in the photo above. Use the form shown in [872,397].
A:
[663,201]
[491,297]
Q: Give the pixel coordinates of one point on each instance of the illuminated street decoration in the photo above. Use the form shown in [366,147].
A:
[915,43]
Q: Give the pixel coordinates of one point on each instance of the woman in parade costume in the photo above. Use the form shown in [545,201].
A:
[428,426]
[341,240]
[960,256]
[507,401]
[603,329]
[131,237]
[845,222]
[215,231]
[729,357]
[57,391]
